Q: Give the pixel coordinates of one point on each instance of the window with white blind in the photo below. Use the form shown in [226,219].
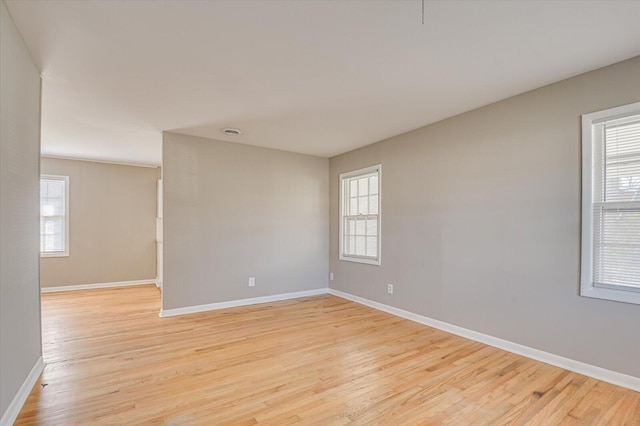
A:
[360,215]
[54,215]
[611,204]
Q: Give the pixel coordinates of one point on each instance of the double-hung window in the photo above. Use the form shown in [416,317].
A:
[611,204]
[360,215]
[54,216]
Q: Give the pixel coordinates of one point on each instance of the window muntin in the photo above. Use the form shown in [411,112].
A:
[360,215]
[54,215]
[611,204]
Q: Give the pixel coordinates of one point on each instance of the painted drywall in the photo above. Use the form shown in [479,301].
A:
[112,224]
[481,223]
[235,211]
[20,341]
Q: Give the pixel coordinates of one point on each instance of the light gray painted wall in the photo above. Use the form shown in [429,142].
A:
[112,224]
[481,223]
[233,211]
[20,346]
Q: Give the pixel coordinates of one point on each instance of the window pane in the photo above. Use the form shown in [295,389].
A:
[360,246]
[622,160]
[52,243]
[360,227]
[57,242]
[46,209]
[353,206]
[373,204]
[55,189]
[372,246]
[51,225]
[363,205]
[351,245]
[353,188]
[350,229]
[617,242]
[58,206]
[372,227]
[373,184]
[623,181]
[52,207]
[363,186]
[622,139]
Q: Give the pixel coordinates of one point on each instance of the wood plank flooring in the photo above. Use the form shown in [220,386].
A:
[319,360]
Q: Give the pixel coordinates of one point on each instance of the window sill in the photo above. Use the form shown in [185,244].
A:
[360,260]
[61,254]
[621,295]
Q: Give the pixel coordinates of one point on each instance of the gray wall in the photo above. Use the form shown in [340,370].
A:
[112,224]
[481,223]
[233,211]
[20,346]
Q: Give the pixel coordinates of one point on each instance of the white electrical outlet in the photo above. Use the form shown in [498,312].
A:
[330,276]
[252,282]
[390,288]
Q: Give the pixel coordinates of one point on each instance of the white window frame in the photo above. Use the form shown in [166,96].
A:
[343,177]
[587,287]
[64,253]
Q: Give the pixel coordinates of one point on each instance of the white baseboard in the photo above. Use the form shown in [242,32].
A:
[241,302]
[18,401]
[598,373]
[97,285]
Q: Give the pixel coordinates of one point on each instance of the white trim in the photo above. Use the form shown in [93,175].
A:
[611,113]
[98,285]
[241,302]
[56,157]
[619,379]
[586,255]
[54,254]
[587,287]
[64,253]
[11,413]
[363,171]
[358,259]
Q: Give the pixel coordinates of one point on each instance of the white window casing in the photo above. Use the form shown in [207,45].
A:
[360,215]
[611,204]
[54,216]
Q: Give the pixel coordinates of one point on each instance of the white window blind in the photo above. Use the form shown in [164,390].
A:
[360,215]
[54,223]
[614,219]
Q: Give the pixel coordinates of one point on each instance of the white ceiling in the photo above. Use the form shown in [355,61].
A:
[315,77]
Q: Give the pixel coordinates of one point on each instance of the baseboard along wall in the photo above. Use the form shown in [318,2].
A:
[98,285]
[11,414]
[241,302]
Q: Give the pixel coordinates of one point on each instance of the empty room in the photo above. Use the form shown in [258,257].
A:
[319,212]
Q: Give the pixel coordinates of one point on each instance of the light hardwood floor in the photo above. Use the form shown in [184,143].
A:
[319,360]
